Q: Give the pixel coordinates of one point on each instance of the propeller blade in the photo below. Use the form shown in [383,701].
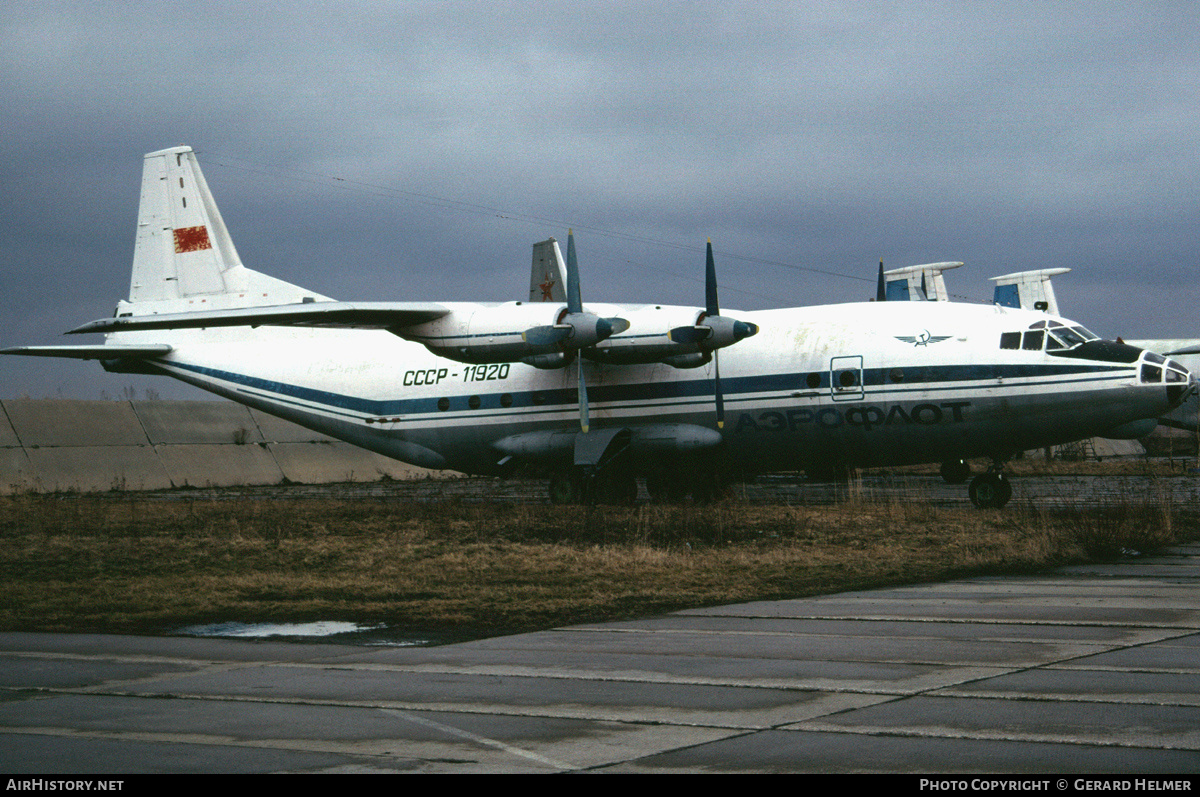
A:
[881,286]
[710,284]
[616,324]
[547,336]
[602,327]
[583,399]
[717,390]
[712,311]
[744,329]
[689,334]
[574,302]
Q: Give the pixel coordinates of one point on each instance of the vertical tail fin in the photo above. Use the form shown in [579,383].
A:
[918,283]
[183,249]
[1028,289]
[548,276]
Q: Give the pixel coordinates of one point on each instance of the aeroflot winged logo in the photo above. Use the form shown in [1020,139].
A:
[924,339]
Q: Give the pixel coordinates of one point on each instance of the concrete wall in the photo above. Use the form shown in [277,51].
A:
[86,446]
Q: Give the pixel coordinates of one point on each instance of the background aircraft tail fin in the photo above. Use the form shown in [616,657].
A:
[1030,290]
[548,276]
[918,283]
[183,250]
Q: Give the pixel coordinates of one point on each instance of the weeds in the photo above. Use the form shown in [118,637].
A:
[1128,525]
[142,565]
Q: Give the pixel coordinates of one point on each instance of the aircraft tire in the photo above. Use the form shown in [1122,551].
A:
[665,488]
[565,488]
[618,487]
[990,490]
[955,471]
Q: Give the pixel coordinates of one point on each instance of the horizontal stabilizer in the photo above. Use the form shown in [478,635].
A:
[356,315]
[109,352]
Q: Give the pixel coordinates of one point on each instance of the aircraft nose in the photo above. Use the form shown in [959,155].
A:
[1181,382]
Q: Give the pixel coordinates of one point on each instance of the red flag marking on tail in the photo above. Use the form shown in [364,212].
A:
[191,239]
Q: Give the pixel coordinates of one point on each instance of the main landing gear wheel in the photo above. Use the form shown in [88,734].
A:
[565,488]
[990,490]
[955,471]
[617,487]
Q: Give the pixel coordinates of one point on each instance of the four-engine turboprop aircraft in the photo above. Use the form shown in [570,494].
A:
[598,394]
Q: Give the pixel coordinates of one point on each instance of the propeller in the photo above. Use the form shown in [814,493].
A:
[584,329]
[554,345]
[713,331]
[575,305]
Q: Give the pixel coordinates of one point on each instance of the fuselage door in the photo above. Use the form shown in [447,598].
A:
[846,378]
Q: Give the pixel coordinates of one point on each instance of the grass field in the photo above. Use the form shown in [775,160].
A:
[131,564]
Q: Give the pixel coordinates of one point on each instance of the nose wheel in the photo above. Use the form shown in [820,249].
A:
[990,490]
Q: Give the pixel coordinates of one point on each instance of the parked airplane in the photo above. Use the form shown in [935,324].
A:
[1033,290]
[598,394]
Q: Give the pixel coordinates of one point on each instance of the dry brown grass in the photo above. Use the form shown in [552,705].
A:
[134,564]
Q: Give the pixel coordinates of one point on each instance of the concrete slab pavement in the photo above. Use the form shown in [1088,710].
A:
[1082,670]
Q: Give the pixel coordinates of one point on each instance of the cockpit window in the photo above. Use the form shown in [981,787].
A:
[1055,335]
[1158,359]
[1069,337]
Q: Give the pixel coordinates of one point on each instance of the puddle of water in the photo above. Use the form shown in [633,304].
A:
[321,631]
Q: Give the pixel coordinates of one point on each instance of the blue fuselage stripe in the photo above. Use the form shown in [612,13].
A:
[665,395]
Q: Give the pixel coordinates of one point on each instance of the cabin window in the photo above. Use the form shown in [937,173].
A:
[813,381]
[1033,341]
[1010,340]
[506,399]
[443,404]
[473,402]
[847,379]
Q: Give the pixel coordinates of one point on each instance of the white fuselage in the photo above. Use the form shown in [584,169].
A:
[855,384]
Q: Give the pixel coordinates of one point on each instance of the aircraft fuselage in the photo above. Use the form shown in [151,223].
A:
[855,384]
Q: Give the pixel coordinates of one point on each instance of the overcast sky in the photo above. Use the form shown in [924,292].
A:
[415,151]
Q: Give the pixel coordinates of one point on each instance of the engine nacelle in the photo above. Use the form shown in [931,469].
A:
[683,338]
[512,332]
[648,339]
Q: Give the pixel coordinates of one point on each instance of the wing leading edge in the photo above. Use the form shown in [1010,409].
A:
[101,352]
[352,315]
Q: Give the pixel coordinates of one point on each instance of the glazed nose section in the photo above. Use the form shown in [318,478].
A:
[1179,381]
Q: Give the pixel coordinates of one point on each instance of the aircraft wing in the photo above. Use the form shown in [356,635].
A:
[356,315]
[110,352]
